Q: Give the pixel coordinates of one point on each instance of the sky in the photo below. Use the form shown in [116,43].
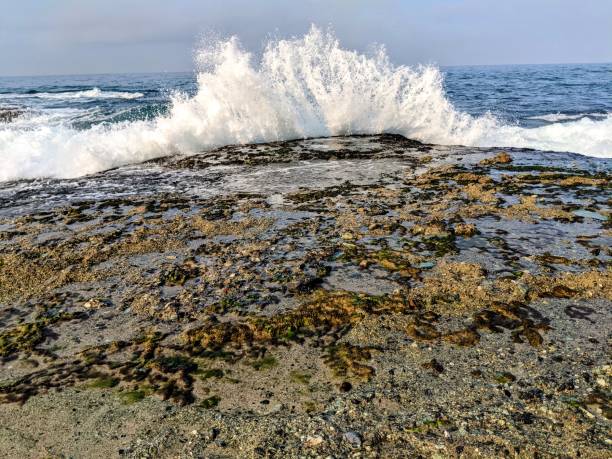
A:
[50,37]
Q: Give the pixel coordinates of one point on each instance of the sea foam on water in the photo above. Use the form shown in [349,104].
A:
[299,88]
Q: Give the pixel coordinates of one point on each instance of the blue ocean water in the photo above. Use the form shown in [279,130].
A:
[74,125]
[85,100]
[530,95]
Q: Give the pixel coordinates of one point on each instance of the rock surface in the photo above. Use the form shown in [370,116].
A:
[7,115]
[345,297]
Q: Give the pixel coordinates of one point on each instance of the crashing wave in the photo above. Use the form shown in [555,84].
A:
[301,87]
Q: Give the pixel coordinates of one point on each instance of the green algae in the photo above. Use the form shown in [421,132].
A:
[348,360]
[504,377]
[25,337]
[211,373]
[133,396]
[210,402]
[104,382]
[175,363]
[264,363]
[300,377]
[22,338]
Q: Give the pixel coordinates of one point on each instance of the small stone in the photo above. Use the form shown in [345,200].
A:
[426,265]
[410,272]
[388,264]
[347,236]
[346,386]
[95,303]
[313,442]
[353,438]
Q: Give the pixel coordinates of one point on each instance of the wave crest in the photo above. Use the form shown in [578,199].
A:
[556,117]
[94,93]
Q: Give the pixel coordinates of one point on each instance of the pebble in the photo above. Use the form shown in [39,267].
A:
[94,303]
[313,442]
[353,438]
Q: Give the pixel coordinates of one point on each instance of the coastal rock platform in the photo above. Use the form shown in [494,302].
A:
[365,296]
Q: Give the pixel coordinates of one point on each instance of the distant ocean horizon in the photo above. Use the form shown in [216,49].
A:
[73,125]
[192,71]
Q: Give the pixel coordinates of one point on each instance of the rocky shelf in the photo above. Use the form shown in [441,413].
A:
[364,296]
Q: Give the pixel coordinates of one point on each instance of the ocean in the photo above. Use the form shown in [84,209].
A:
[71,126]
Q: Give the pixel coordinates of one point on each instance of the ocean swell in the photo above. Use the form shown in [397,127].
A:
[556,117]
[302,87]
[94,93]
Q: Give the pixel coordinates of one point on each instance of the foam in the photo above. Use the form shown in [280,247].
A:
[95,93]
[556,117]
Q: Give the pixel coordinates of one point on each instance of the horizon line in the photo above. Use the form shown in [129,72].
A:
[156,72]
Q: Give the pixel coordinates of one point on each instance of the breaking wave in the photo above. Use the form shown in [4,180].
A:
[301,87]
[556,117]
[94,93]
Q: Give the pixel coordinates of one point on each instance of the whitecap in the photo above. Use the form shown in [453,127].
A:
[94,93]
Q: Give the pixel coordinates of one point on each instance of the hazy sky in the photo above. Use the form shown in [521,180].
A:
[100,36]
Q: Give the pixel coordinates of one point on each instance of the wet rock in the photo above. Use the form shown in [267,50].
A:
[244,327]
[465,229]
[500,158]
[561,291]
[8,115]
